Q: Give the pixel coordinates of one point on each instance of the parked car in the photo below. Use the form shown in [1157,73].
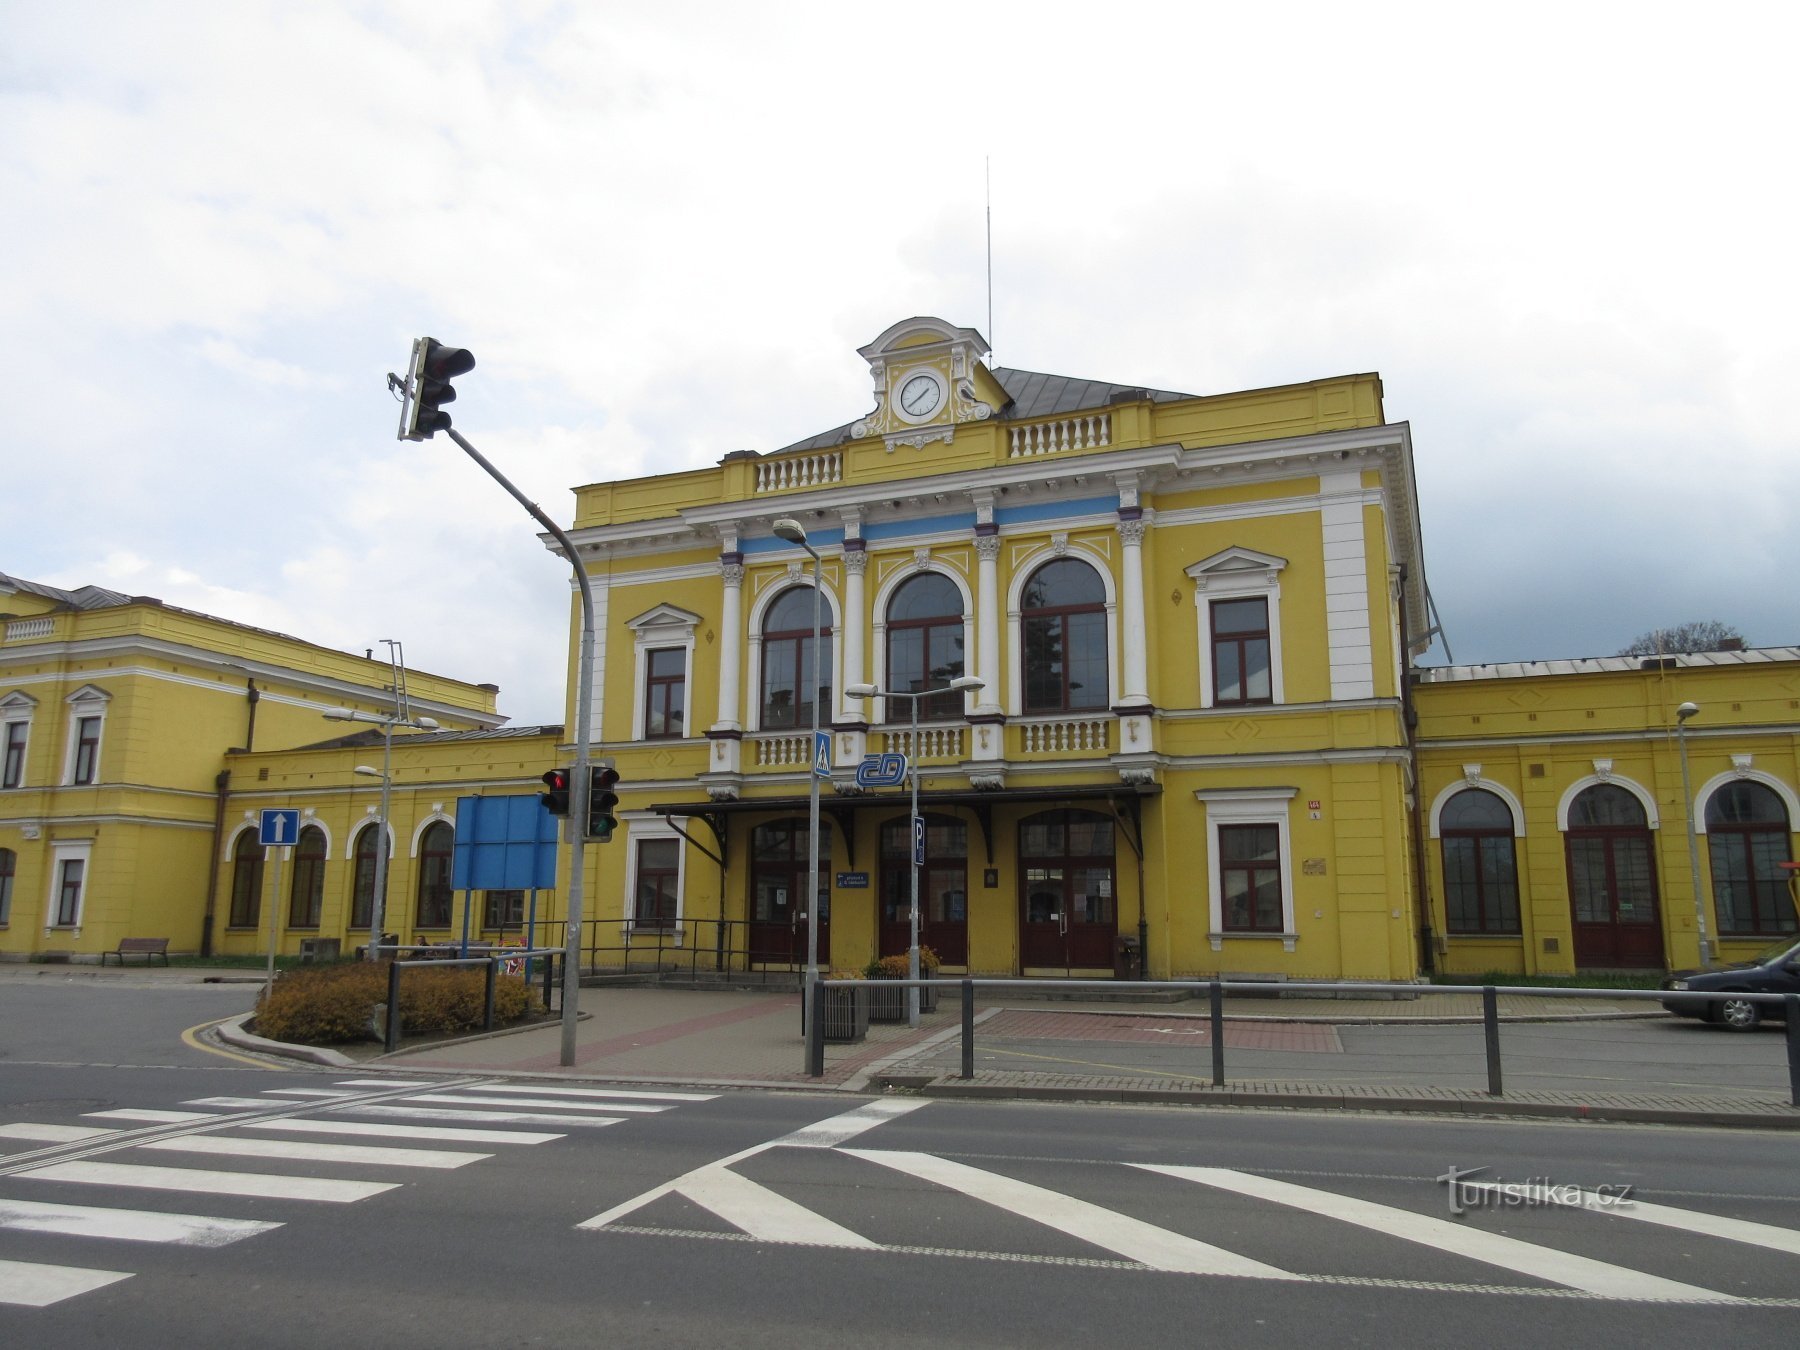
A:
[1773,971]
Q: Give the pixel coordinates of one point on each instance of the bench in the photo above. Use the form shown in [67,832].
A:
[146,947]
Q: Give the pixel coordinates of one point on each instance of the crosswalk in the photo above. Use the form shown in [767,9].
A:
[219,1148]
[1219,1203]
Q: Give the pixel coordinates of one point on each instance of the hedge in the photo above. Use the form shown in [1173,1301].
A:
[326,1005]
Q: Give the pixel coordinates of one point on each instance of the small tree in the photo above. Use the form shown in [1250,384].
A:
[1699,635]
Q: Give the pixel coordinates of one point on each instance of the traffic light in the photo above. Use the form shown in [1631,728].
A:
[433,367]
[603,803]
[556,800]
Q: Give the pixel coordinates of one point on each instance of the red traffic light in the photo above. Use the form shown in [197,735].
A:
[556,799]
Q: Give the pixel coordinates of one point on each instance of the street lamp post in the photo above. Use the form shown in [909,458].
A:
[378,902]
[791,530]
[960,684]
[1685,711]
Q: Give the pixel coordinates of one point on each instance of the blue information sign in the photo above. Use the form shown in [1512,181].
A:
[887,770]
[918,841]
[853,881]
[503,843]
[278,827]
[821,754]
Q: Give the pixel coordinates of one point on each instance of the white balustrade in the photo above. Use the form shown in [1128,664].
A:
[24,628]
[1066,736]
[778,751]
[934,742]
[799,471]
[1092,431]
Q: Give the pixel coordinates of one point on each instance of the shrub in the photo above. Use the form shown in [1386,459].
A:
[327,1005]
[899,967]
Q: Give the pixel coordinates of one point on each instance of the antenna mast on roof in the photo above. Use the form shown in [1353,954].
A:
[987,178]
[397,661]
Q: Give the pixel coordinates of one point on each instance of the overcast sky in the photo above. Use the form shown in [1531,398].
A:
[1564,234]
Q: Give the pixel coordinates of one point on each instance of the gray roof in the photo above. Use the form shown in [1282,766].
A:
[86,597]
[1587,665]
[1030,393]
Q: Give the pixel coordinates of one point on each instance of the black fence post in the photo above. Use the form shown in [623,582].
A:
[1791,1005]
[968,1028]
[393,1008]
[1215,1003]
[493,968]
[1490,1026]
[549,967]
[815,1032]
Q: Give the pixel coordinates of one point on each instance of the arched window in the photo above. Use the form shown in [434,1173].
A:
[306,899]
[246,880]
[9,864]
[787,661]
[362,887]
[1747,833]
[1612,881]
[1481,879]
[435,848]
[925,645]
[1063,630]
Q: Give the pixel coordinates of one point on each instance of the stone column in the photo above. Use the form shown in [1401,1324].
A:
[727,732]
[856,566]
[1133,640]
[987,616]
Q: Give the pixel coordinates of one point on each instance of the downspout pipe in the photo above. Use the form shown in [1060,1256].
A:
[222,790]
[1409,720]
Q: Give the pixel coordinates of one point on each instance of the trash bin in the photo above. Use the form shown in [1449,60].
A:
[1128,959]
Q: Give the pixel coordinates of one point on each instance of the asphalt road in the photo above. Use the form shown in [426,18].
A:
[233,1204]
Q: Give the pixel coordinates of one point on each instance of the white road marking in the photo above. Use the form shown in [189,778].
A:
[820,1134]
[153,1117]
[52,1134]
[762,1213]
[310,1092]
[35,1286]
[1131,1238]
[421,1133]
[258,1103]
[1525,1258]
[629,1094]
[485,1117]
[464,1099]
[1689,1221]
[129,1225]
[211,1183]
[299,1151]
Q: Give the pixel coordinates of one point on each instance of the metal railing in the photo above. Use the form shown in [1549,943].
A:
[1215,991]
[493,958]
[721,949]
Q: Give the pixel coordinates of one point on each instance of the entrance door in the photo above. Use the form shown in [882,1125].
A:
[1068,911]
[1612,882]
[778,871]
[943,889]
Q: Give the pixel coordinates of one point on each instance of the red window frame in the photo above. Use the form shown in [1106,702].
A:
[87,751]
[664,689]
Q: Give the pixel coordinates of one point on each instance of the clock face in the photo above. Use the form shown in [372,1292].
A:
[920,396]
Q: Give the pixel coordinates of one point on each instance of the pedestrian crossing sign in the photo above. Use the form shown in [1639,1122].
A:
[821,754]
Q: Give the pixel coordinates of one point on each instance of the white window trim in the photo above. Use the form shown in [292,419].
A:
[1476,784]
[87,701]
[639,828]
[1581,785]
[1236,574]
[884,596]
[17,710]
[74,850]
[1746,774]
[1250,806]
[656,630]
[1023,570]
[831,617]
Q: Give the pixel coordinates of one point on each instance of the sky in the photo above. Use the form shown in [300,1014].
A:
[1562,233]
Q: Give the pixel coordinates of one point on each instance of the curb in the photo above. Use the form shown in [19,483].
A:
[232,1032]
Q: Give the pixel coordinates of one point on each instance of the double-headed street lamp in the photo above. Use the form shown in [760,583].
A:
[378,906]
[1682,714]
[959,685]
[791,530]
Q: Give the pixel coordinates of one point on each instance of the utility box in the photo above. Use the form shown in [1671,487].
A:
[319,949]
[1128,958]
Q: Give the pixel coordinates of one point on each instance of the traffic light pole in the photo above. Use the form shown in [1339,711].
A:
[580,788]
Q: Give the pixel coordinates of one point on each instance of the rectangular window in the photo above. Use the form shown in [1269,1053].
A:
[8,864]
[1481,886]
[665,692]
[1250,878]
[14,773]
[68,892]
[1240,651]
[658,883]
[87,750]
[504,909]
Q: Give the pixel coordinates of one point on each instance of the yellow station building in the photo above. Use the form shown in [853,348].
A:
[1191,735]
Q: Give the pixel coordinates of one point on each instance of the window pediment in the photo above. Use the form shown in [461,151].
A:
[1238,566]
[665,618]
[89,693]
[17,703]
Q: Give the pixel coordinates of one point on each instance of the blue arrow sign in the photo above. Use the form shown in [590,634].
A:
[278,827]
[887,770]
[821,754]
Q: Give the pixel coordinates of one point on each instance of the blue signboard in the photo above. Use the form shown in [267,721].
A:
[887,770]
[503,844]
[918,841]
[821,754]
[278,828]
[853,881]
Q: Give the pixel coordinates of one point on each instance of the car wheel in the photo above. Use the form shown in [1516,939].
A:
[1738,1014]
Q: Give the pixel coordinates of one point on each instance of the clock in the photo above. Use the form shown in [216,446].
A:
[921,395]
